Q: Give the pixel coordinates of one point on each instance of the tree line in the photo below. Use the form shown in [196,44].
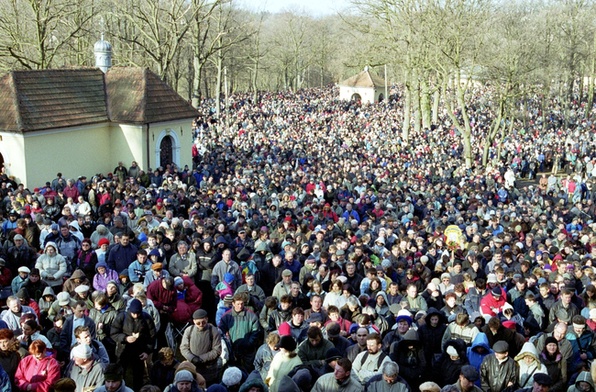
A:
[434,49]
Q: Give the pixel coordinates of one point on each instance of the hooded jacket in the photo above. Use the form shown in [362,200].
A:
[447,370]
[585,377]
[70,285]
[51,266]
[431,336]
[527,371]
[411,362]
[475,356]
[100,281]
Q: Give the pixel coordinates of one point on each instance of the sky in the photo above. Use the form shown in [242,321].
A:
[312,7]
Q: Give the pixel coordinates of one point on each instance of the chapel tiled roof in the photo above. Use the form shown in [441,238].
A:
[61,98]
[364,79]
[139,96]
[57,98]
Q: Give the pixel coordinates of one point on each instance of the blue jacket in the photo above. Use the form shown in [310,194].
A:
[474,356]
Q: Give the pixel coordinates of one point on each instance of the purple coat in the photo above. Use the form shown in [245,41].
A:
[101,281]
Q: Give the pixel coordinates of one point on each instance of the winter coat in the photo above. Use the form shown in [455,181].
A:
[527,371]
[585,377]
[241,325]
[54,266]
[366,366]
[125,325]
[137,271]
[86,261]
[263,359]
[280,366]
[455,331]
[41,374]
[123,388]
[70,285]
[448,370]
[277,317]
[85,378]
[377,384]
[101,281]
[66,336]
[103,319]
[120,257]
[411,362]
[557,369]
[162,297]
[431,337]
[495,376]
[474,354]
[186,265]
[188,301]
[585,343]
[328,383]
[204,345]
[315,356]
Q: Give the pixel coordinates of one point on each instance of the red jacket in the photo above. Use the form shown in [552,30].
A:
[489,302]
[164,300]
[187,303]
[41,374]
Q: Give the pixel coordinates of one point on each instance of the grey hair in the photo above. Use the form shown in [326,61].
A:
[390,369]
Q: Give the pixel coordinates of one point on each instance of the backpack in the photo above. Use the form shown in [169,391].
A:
[379,359]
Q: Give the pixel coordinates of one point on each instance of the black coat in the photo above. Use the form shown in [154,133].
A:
[125,325]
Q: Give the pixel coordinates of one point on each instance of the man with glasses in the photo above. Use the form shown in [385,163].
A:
[201,345]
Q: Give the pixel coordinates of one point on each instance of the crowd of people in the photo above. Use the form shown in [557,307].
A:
[309,246]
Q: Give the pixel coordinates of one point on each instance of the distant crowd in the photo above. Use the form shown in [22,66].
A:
[310,246]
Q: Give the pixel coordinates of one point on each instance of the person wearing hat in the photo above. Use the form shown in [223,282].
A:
[284,286]
[283,362]
[333,331]
[201,345]
[20,279]
[133,332]
[491,305]
[542,382]
[84,369]
[113,380]
[468,377]
[184,381]
[498,371]
[156,272]
[21,254]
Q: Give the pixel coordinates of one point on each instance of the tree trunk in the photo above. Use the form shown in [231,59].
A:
[416,104]
[425,104]
[405,129]
[436,100]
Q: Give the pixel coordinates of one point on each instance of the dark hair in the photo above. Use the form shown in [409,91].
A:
[345,364]
[314,332]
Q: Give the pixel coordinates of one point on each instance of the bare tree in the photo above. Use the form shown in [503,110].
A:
[35,33]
